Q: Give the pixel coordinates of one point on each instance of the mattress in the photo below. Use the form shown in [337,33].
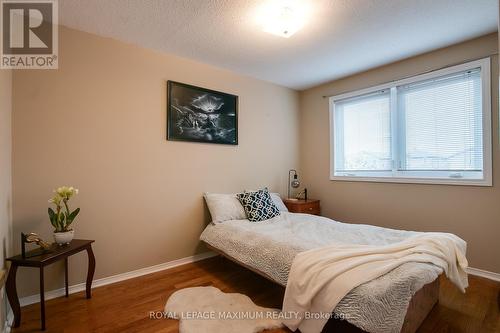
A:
[270,247]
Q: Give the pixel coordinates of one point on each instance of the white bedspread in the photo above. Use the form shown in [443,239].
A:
[320,278]
[271,246]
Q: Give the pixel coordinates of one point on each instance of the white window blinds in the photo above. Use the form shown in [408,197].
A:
[442,123]
[432,128]
[364,132]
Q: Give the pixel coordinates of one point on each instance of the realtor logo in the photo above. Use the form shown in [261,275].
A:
[29,36]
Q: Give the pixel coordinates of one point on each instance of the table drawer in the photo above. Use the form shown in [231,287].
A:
[308,208]
[302,206]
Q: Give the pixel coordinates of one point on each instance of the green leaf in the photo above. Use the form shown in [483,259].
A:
[73,214]
[52,214]
[61,221]
[52,217]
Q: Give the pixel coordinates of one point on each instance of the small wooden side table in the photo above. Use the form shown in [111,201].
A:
[309,206]
[59,253]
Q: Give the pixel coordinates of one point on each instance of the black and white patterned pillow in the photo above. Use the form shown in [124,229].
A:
[258,205]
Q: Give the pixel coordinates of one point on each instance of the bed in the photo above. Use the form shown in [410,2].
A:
[396,302]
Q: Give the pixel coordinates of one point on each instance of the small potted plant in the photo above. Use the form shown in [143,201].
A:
[62,218]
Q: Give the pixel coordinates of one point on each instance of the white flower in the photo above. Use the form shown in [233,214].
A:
[56,199]
[66,192]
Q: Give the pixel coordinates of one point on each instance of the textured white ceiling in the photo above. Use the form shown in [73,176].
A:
[342,37]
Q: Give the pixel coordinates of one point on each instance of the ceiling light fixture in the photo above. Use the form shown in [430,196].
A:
[283,17]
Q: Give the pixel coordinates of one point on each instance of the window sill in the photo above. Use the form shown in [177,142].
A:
[404,180]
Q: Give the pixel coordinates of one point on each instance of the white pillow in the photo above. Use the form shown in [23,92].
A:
[224,207]
[278,202]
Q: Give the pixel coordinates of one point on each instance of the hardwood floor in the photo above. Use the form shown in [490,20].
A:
[125,306]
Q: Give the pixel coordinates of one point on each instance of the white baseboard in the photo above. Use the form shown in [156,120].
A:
[117,278]
[485,274]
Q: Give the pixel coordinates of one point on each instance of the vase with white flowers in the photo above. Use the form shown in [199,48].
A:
[62,217]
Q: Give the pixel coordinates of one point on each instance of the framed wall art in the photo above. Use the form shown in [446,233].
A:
[201,115]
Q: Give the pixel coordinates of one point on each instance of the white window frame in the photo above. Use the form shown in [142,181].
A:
[407,176]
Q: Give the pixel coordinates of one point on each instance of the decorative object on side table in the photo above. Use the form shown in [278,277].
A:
[62,218]
[303,192]
[33,238]
[201,115]
[309,206]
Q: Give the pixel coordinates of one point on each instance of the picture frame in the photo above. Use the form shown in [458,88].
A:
[197,114]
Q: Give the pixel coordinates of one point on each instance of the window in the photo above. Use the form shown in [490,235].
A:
[431,128]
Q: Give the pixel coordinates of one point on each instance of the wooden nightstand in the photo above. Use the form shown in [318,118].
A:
[309,206]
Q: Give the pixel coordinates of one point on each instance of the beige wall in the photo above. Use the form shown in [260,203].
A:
[473,213]
[5,177]
[98,123]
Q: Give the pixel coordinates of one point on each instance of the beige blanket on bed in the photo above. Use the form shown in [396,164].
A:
[320,278]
